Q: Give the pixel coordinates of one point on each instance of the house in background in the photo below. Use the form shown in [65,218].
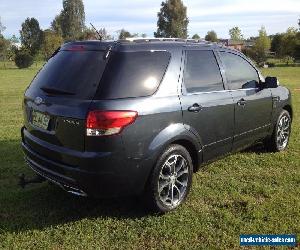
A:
[238,45]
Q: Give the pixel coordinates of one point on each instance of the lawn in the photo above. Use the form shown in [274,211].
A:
[247,192]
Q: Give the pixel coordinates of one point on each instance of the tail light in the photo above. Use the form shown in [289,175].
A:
[101,123]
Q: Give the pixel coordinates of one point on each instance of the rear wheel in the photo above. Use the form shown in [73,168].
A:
[280,137]
[171,179]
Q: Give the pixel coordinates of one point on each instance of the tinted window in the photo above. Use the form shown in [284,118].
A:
[202,72]
[133,74]
[76,73]
[239,73]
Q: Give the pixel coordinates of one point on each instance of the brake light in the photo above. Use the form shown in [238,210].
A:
[101,123]
[76,48]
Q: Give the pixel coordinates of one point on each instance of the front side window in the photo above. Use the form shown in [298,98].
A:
[202,73]
[240,73]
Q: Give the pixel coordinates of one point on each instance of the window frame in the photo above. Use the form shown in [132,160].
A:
[220,67]
[260,76]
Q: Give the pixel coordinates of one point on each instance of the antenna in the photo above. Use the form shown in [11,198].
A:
[100,37]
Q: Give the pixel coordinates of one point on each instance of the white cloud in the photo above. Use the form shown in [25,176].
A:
[240,7]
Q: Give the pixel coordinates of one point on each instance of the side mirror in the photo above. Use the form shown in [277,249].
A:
[251,84]
[271,82]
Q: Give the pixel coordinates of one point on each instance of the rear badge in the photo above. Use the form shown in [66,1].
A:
[71,122]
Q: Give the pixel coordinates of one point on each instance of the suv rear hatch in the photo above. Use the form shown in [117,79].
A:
[57,101]
[66,100]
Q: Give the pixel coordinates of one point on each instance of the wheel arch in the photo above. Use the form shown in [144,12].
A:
[191,148]
[178,134]
[289,109]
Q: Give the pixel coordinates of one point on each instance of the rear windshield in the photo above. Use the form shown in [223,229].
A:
[73,73]
[77,74]
[133,74]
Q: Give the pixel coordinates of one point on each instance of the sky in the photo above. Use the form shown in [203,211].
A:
[140,16]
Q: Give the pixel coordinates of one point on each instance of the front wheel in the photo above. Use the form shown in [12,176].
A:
[171,179]
[281,135]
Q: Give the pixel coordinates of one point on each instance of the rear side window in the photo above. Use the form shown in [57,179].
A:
[202,73]
[133,74]
[74,73]
[240,73]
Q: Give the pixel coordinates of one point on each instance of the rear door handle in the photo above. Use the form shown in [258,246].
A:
[195,108]
[241,102]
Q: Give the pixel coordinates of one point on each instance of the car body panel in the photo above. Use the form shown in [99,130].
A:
[214,123]
[253,119]
[281,97]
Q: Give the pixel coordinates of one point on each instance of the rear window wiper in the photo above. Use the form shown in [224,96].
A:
[56,91]
[107,52]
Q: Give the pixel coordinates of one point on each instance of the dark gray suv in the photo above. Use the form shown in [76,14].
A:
[139,117]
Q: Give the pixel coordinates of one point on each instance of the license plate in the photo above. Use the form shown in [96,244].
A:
[40,120]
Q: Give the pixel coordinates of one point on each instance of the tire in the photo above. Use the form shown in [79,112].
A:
[281,134]
[170,180]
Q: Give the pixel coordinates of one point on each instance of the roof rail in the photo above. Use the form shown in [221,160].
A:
[172,39]
[159,39]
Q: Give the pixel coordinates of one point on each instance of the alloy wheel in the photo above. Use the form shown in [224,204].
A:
[173,180]
[283,132]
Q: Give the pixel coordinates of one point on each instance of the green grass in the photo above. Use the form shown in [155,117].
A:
[248,192]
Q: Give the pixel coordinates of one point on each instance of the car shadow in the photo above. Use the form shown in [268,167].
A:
[257,148]
[43,205]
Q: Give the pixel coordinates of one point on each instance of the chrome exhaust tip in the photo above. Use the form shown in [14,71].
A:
[74,191]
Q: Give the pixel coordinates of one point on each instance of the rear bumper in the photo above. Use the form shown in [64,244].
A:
[98,174]
[65,183]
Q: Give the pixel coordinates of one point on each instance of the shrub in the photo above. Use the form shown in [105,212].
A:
[270,64]
[23,59]
[288,60]
[251,54]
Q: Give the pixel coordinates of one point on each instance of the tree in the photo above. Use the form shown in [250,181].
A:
[91,34]
[4,44]
[236,34]
[31,35]
[276,43]
[56,25]
[262,45]
[13,47]
[211,36]
[249,52]
[287,45]
[4,47]
[289,41]
[71,20]
[2,27]
[172,20]
[104,34]
[297,48]
[196,36]
[51,42]
[123,34]
[14,40]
